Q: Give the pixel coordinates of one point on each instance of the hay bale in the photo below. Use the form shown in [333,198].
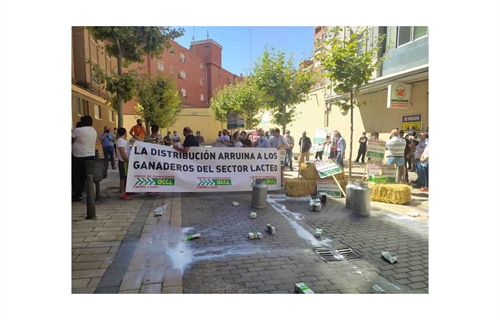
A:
[308,171]
[390,193]
[300,187]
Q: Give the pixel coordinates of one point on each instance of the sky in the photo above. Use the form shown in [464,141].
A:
[240,51]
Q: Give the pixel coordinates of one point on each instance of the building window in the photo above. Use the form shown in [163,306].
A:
[202,65]
[182,74]
[172,51]
[171,69]
[404,35]
[183,57]
[419,32]
[202,82]
[95,78]
[78,107]
[229,80]
[111,115]
[97,112]
[86,108]
[161,65]
[202,97]
[183,92]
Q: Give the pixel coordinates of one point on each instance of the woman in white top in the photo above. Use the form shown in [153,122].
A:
[236,142]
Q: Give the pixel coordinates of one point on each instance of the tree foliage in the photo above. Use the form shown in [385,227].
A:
[242,98]
[159,101]
[130,44]
[282,86]
[349,68]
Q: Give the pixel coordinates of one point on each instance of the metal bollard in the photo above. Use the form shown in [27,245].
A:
[90,198]
[361,200]
[259,194]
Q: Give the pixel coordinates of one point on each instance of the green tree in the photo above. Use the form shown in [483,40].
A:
[350,63]
[282,86]
[222,104]
[159,101]
[130,44]
[242,98]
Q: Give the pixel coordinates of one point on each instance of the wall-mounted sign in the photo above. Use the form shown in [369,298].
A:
[414,121]
[233,121]
[398,96]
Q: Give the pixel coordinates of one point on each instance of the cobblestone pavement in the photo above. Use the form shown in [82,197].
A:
[223,260]
[126,249]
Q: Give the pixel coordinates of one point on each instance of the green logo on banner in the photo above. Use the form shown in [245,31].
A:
[214,182]
[331,172]
[372,154]
[269,181]
[155,181]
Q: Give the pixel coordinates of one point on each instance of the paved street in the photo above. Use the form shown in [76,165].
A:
[128,250]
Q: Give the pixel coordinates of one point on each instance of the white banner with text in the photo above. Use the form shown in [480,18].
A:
[157,168]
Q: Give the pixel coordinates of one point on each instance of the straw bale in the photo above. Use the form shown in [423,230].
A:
[300,187]
[390,193]
[308,171]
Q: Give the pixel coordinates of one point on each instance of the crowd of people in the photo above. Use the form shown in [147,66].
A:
[408,152]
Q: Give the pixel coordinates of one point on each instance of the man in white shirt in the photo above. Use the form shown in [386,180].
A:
[83,141]
[123,156]
[281,144]
[395,147]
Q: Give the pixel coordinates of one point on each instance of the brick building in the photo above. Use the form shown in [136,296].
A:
[198,73]
[87,98]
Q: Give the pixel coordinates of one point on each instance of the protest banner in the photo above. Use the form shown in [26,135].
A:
[328,187]
[157,168]
[375,150]
[382,173]
[329,168]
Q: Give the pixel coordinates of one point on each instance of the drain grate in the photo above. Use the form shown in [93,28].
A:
[327,255]
[348,253]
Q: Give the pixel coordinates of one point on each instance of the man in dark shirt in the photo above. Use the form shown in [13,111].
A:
[305,147]
[247,143]
[190,141]
[362,148]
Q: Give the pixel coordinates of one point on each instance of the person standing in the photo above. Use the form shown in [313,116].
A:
[167,140]
[272,138]
[289,151]
[362,148]
[107,141]
[189,141]
[123,157]
[418,153]
[395,147]
[201,139]
[154,137]
[245,140]
[236,141]
[115,131]
[83,142]
[138,132]
[281,143]
[305,146]
[341,146]
[424,164]
[261,142]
